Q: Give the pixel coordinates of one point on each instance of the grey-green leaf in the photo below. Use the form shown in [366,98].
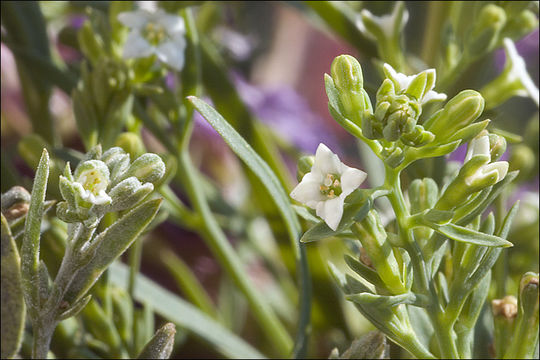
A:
[32,227]
[13,311]
[161,344]
[109,245]
[184,314]
[463,234]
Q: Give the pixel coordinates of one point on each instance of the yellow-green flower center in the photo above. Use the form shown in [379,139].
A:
[93,181]
[154,33]
[331,186]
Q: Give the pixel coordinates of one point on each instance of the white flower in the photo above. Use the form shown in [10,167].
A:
[92,179]
[480,147]
[516,71]
[327,185]
[402,82]
[155,32]
[387,25]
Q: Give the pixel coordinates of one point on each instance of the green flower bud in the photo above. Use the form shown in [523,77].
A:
[485,33]
[117,161]
[393,157]
[497,146]
[523,159]
[130,143]
[520,24]
[348,79]
[423,194]
[304,166]
[459,112]
[147,168]
[525,337]
[128,193]
[373,237]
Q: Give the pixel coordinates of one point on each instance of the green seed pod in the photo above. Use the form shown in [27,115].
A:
[304,166]
[460,111]
[485,33]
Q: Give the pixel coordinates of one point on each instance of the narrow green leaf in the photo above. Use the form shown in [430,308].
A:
[507,222]
[382,302]
[256,164]
[76,308]
[109,245]
[365,272]
[431,151]
[13,309]
[32,227]
[463,234]
[161,344]
[273,185]
[184,314]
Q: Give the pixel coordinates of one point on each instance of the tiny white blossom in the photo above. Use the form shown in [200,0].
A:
[388,25]
[155,32]
[92,182]
[480,146]
[403,81]
[516,71]
[327,185]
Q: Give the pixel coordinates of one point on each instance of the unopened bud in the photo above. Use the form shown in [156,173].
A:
[348,79]
[460,111]
[304,166]
[423,194]
[497,146]
[523,159]
[131,143]
[521,24]
[485,33]
[147,168]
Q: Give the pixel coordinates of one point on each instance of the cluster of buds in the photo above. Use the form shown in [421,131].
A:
[107,183]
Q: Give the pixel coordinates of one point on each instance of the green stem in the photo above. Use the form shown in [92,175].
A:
[222,249]
[421,274]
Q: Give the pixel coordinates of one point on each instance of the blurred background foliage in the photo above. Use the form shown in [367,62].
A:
[262,68]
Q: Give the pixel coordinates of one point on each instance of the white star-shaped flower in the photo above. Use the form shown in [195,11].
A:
[387,25]
[516,71]
[155,32]
[402,82]
[327,185]
[92,181]
[480,147]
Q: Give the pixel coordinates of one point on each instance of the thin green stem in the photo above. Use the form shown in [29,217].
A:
[222,249]
[421,274]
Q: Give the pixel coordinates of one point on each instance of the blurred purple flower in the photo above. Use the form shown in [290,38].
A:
[285,111]
[288,113]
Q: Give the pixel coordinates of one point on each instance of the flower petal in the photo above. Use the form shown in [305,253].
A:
[351,179]
[136,46]
[308,192]
[133,19]
[326,162]
[331,211]
[172,53]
